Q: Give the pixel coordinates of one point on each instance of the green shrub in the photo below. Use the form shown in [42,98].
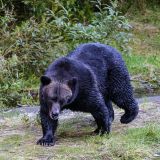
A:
[28,48]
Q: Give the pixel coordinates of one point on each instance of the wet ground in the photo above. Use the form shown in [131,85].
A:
[33,110]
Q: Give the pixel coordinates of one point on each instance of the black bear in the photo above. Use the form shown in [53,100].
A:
[88,79]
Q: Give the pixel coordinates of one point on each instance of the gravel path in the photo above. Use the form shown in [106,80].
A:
[67,114]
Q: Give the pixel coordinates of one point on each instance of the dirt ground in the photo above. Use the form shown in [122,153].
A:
[19,132]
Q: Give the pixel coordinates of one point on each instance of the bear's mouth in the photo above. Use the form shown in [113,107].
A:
[54,116]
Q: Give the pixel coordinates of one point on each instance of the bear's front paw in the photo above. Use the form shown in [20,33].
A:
[97,131]
[49,141]
[106,129]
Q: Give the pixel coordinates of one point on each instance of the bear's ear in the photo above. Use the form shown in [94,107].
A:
[73,85]
[45,80]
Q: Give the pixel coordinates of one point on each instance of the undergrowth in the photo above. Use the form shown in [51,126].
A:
[28,47]
[34,33]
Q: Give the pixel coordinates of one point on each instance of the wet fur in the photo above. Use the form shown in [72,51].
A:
[101,78]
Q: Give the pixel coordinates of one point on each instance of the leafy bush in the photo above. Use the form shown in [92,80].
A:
[107,27]
[77,10]
[28,48]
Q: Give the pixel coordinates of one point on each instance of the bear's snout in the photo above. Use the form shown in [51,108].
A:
[55,116]
[54,111]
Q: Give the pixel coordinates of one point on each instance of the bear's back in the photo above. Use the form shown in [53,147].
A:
[90,63]
[96,55]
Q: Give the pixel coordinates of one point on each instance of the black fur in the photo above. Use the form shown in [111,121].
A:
[100,78]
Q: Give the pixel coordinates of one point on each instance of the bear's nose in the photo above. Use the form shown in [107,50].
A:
[55,114]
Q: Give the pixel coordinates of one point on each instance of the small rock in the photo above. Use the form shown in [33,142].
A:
[157,154]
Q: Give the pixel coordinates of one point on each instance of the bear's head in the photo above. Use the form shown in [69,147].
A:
[56,94]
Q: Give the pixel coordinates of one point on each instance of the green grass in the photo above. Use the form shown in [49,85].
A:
[151,16]
[129,144]
[142,64]
[144,60]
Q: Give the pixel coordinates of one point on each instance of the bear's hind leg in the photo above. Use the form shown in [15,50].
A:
[130,114]
[121,93]
[129,105]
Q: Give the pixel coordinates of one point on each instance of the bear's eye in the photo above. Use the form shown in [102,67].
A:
[68,97]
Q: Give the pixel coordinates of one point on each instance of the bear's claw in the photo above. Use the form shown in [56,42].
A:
[129,116]
[46,142]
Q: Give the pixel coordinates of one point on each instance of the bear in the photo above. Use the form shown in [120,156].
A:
[88,79]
